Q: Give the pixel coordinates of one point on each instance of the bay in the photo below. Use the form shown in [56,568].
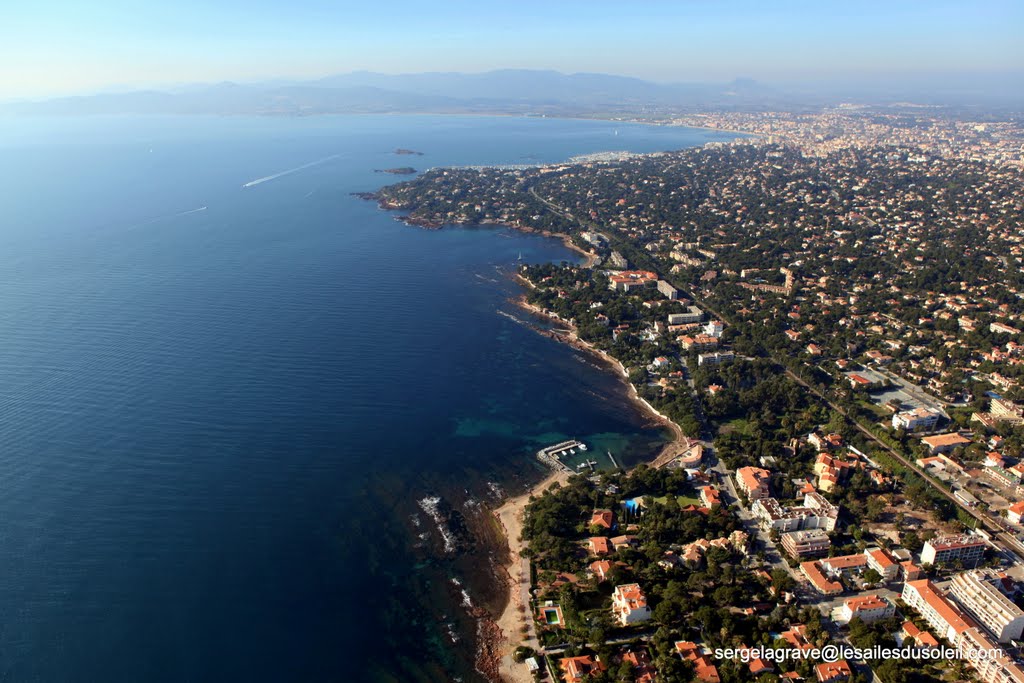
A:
[223,401]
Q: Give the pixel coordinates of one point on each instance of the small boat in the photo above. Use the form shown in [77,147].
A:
[583,446]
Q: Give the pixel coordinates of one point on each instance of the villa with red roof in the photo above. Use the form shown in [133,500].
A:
[705,671]
[578,669]
[602,518]
[833,672]
[629,604]
[598,546]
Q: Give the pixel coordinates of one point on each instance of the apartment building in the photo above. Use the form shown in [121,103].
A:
[692,315]
[715,358]
[977,593]
[630,280]
[753,481]
[921,418]
[969,549]
[815,513]
[805,543]
[667,290]
[961,632]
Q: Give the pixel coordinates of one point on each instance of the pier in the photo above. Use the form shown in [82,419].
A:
[552,455]
[612,458]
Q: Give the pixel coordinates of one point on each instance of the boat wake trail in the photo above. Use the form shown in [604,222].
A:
[268,178]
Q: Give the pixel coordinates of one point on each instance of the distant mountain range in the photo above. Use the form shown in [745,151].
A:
[503,91]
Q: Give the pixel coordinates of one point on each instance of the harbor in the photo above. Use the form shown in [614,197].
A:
[552,455]
[571,457]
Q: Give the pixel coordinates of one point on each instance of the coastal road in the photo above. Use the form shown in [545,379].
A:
[1001,536]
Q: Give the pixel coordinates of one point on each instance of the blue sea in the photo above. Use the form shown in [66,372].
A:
[230,392]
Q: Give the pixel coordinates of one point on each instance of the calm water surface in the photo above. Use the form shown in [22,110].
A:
[219,405]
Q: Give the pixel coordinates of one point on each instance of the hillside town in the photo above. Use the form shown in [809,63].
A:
[831,312]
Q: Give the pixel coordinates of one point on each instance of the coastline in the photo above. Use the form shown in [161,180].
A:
[571,338]
[515,625]
[592,259]
[516,619]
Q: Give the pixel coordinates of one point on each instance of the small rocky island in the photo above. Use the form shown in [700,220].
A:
[401,170]
[408,152]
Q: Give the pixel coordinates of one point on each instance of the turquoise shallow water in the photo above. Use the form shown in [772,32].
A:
[216,423]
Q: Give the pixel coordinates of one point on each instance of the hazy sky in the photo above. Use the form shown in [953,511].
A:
[61,46]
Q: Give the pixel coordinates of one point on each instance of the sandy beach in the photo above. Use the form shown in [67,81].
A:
[516,621]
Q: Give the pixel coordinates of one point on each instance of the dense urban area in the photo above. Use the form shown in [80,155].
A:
[830,309]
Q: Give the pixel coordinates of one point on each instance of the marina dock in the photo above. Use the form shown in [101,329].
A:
[552,455]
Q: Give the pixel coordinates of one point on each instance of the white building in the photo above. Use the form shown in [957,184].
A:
[869,608]
[668,290]
[920,418]
[976,592]
[946,620]
[882,562]
[805,543]
[815,513]
[692,315]
[949,623]
[969,549]
[629,604]
[716,358]
[714,329]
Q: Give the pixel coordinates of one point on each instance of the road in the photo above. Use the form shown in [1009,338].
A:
[1001,537]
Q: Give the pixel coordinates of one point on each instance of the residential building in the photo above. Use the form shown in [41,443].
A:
[944,443]
[630,280]
[578,669]
[833,672]
[602,518]
[868,608]
[640,661]
[976,647]
[922,639]
[692,315]
[714,328]
[821,583]
[668,290]
[816,513]
[1014,512]
[843,565]
[796,637]
[753,481]
[629,604]
[831,470]
[600,569]
[698,342]
[945,619]
[968,548]
[710,496]
[1002,328]
[977,593]
[882,562]
[704,670]
[715,358]
[805,543]
[919,419]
